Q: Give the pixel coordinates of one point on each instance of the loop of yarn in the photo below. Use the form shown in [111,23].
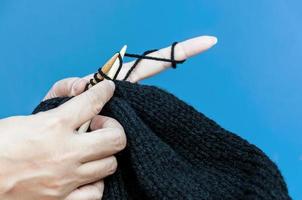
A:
[174,63]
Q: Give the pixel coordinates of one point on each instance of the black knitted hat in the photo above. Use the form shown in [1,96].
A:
[175,152]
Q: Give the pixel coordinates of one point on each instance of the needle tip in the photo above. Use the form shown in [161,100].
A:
[106,68]
[123,50]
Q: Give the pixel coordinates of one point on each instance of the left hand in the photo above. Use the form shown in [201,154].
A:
[146,68]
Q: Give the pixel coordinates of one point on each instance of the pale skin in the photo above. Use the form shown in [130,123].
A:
[43,157]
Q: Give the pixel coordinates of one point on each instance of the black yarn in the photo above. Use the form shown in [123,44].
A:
[119,67]
[96,79]
[174,152]
[174,63]
[140,57]
[104,75]
[172,60]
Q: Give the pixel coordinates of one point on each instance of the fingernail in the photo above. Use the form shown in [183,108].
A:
[212,40]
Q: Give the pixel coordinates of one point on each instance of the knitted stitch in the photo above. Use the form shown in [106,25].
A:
[175,152]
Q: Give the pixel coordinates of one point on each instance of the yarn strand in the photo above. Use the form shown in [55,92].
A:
[172,60]
[144,56]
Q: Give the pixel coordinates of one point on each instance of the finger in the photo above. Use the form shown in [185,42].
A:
[183,50]
[67,87]
[90,191]
[100,143]
[96,170]
[99,122]
[96,123]
[84,107]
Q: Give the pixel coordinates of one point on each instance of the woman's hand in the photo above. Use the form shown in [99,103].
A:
[146,68]
[42,157]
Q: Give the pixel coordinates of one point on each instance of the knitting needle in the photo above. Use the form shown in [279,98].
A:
[116,64]
[105,69]
[110,68]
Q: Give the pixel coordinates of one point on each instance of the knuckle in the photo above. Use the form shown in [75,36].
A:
[112,165]
[95,102]
[56,85]
[110,86]
[55,190]
[56,121]
[52,118]
[119,138]
[114,123]
[78,86]
[67,157]
[95,194]
[77,90]
[54,195]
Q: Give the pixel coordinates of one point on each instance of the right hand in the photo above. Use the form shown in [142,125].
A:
[41,157]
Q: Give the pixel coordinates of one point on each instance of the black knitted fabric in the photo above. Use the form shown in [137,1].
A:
[175,152]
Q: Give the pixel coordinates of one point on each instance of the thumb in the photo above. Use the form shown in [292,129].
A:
[85,106]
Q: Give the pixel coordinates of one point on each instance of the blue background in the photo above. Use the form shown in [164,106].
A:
[250,82]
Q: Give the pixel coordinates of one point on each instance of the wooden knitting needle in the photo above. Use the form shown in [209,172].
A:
[110,68]
[105,69]
[116,64]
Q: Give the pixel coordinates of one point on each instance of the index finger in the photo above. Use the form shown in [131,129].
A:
[85,106]
[66,87]
[183,50]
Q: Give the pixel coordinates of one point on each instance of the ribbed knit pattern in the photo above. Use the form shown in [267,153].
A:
[175,152]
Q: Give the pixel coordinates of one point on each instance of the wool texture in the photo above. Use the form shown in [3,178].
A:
[175,152]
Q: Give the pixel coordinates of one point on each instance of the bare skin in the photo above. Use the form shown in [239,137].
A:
[146,68]
[41,157]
